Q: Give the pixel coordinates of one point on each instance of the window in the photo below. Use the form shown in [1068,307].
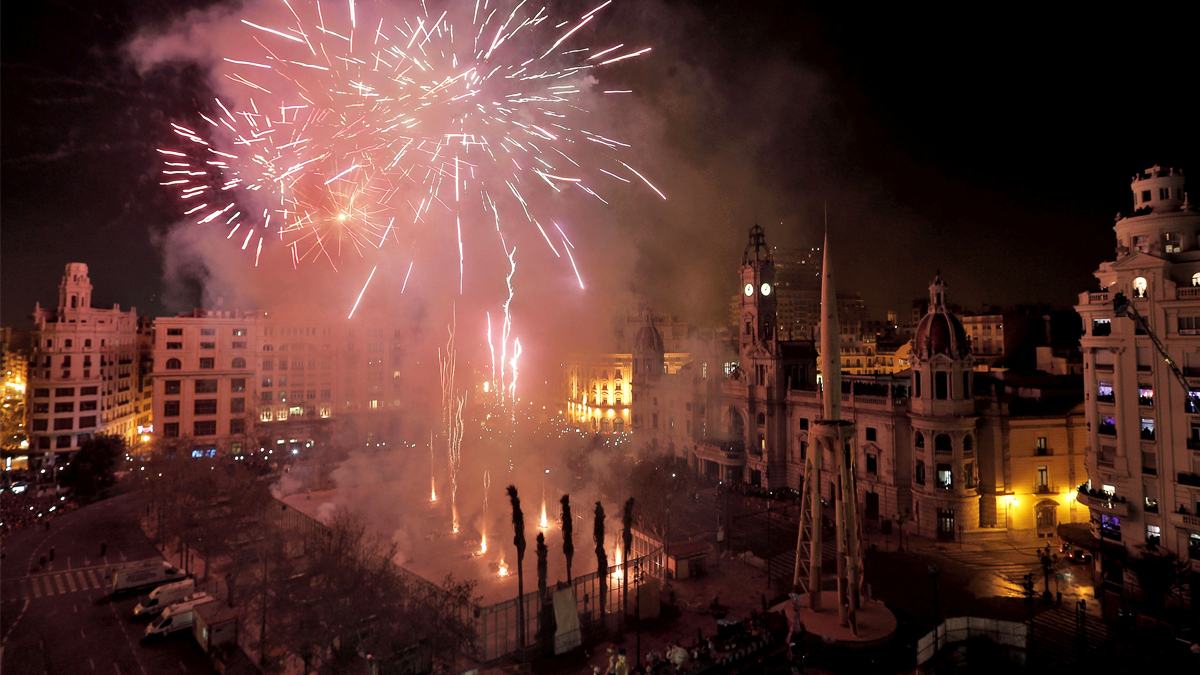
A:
[41,425]
[268,348]
[64,423]
[267,396]
[237,384]
[919,440]
[204,428]
[1151,503]
[1147,429]
[208,345]
[41,408]
[268,364]
[1043,479]
[62,442]
[872,463]
[206,386]
[1153,536]
[41,393]
[312,394]
[762,419]
[174,331]
[1139,287]
[945,478]
[87,405]
[1104,393]
[870,433]
[205,406]
[174,364]
[174,345]
[1196,279]
[64,391]
[208,331]
[1108,425]
[1149,462]
[239,332]
[1164,193]
[238,362]
[66,361]
[1110,527]
[87,422]
[942,445]
[1171,242]
[1146,395]
[326,393]
[803,423]
[237,426]
[170,408]
[941,386]
[1189,325]
[920,472]
[917,383]
[237,405]
[171,387]
[64,407]
[1101,327]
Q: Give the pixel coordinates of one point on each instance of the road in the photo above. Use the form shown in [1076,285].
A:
[58,620]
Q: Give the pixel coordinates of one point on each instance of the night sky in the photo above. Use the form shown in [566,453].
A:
[996,147]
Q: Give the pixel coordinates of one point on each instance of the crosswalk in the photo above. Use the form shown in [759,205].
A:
[50,584]
[1059,639]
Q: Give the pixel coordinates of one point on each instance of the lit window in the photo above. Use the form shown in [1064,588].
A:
[1139,287]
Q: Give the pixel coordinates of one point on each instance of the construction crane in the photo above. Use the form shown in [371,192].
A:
[1122,307]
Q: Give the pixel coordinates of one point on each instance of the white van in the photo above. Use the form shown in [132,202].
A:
[146,574]
[165,596]
[178,616]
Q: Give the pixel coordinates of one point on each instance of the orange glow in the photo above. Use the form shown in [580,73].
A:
[503,571]
[618,573]
[545,522]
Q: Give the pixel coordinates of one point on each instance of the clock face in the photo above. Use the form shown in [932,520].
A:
[749,290]
[766,289]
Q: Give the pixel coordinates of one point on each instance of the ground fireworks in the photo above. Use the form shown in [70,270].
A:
[353,128]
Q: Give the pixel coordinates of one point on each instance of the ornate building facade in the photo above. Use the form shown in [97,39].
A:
[957,457]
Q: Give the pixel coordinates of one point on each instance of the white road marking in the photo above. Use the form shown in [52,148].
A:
[92,576]
[83,584]
[71,582]
[37,591]
[58,582]
[92,663]
[49,586]
[118,668]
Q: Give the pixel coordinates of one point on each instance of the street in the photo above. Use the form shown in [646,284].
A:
[58,620]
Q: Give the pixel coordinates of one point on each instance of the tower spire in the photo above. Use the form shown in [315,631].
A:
[831,361]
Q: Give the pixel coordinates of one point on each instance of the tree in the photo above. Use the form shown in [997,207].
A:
[545,623]
[568,531]
[1158,574]
[627,541]
[659,482]
[601,558]
[91,471]
[518,521]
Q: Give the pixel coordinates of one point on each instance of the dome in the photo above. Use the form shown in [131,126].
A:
[648,339]
[939,331]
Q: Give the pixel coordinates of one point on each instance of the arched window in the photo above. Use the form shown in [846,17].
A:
[618,426]
[762,419]
[268,348]
[1196,279]
[619,399]
[968,445]
[943,445]
[1139,287]
[74,301]
[919,440]
[174,364]
[239,362]
[917,383]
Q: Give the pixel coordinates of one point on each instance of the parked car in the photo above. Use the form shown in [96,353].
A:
[1078,556]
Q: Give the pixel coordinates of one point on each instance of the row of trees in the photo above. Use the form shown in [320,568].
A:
[329,594]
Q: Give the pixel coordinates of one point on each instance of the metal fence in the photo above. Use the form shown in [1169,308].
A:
[497,627]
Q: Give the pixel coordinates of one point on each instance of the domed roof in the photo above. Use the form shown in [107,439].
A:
[940,332]
[648,339]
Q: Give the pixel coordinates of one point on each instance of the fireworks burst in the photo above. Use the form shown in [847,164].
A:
[452,419]
[364,126]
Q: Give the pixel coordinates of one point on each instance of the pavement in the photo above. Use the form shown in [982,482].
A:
[58,620]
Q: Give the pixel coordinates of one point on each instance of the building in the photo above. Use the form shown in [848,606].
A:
[959,454]
[83,371]
[14,372]
[1143,457]
[285,379]
[202,390]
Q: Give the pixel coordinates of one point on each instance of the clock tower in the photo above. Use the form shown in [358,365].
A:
[757,311]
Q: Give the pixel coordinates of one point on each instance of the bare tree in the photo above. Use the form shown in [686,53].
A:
[518,521]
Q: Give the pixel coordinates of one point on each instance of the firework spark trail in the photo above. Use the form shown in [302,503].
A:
[339,129]
[432,470]
[487,486]
[452,421]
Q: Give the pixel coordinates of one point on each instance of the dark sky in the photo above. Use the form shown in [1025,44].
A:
[994,146]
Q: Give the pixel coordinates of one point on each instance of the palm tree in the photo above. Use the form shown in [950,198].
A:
[568,530]
[518,521]
[601,558]
[545,635]
[627,540]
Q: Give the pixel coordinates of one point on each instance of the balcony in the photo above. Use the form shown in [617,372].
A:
[1045,489]
[1191,479]
[1098,298]
[1187,292]
[1105,398]
[1043,452]
[1104,502]
[1184,520]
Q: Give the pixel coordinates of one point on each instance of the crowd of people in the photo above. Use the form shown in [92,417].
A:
[736,643]
[28,508]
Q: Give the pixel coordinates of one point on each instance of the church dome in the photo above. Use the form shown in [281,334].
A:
[940,332]
[648,339]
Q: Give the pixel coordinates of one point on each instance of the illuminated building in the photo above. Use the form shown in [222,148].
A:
[956,454]
[1143,460]
[83,371]
[14,373]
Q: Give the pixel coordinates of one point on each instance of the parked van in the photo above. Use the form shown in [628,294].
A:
[178,616]
[141,575]
[165,596]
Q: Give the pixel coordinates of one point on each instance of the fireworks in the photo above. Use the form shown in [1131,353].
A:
[452,408]
[352,123]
